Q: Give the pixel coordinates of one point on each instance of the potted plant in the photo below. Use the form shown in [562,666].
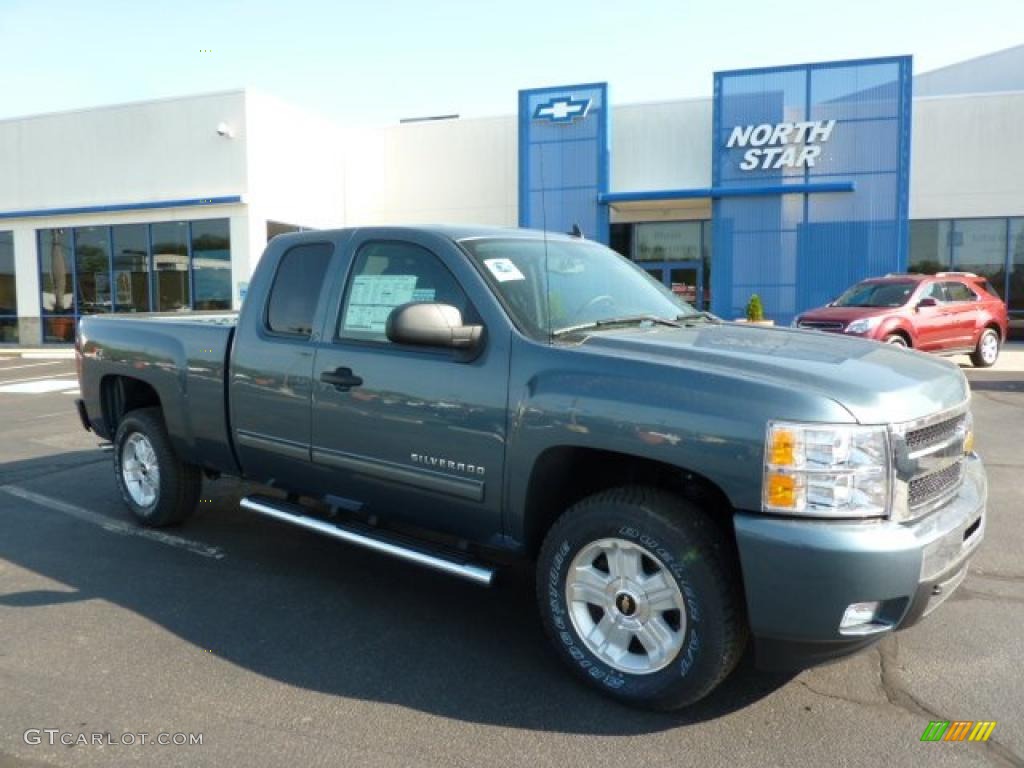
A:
[755,312]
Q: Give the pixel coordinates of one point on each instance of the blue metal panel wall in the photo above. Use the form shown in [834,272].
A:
[563,158]
[801,250]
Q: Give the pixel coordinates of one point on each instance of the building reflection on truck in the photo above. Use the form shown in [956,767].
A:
[797,345]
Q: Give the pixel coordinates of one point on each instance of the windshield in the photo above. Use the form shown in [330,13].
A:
[584,284]
[876,295]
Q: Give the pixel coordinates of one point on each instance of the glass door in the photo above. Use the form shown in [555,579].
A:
[684,278]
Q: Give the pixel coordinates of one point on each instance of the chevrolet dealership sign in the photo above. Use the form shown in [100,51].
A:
[782,145]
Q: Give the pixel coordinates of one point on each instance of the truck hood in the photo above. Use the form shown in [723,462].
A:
[877,383]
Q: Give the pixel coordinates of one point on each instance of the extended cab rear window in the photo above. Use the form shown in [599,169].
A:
[296,288]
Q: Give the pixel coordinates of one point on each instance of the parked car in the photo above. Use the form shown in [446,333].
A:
[456,397]
[950,313]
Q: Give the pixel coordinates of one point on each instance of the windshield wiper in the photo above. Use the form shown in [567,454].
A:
[704,316]
[616,321]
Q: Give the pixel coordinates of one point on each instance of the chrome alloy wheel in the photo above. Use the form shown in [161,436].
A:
[625,606]
[140,470]
[989,347]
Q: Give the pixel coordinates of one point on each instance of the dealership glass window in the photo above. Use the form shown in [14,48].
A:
[8,291]
[173,290]
[991,247]
[131,267]
[669,241]
[929,246]
[104,268]
[57,284]
[275,228]
[92,269]
[979,246]
[659,247]
[211,264]
[621,239]
[1015,284]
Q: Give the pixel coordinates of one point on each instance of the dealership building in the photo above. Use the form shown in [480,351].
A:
[791,182]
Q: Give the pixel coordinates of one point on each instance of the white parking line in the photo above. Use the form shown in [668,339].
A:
[37,387]
[113,526]
[29,365]
[30,378]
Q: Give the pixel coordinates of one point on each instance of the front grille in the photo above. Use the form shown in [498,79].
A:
[930,487]
[820,325]
[934,434]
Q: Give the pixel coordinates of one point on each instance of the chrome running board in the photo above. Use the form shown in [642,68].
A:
[296,515]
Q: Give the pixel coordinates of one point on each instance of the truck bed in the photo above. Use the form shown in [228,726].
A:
[184,358]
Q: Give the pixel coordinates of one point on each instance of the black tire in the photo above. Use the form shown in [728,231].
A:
[978,356]
[179,484]
[897,340]
[693,551]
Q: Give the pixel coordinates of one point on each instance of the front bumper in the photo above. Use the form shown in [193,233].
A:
[800,575]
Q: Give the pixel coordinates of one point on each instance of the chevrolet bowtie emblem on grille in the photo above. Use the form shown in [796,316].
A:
[562,109]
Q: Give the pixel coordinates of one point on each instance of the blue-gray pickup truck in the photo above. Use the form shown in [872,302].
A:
[458,397]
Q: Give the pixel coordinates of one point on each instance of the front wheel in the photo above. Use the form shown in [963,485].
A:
[987,351]
[639,591]
[896,340]
[159,488]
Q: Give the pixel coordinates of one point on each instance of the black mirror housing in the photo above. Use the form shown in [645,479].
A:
[927,301]
[431,324]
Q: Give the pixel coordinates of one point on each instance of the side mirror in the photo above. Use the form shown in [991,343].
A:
[429,324]
[927,301]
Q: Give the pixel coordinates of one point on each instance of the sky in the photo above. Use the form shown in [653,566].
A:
[382,60]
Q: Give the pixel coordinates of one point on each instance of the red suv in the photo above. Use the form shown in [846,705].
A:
[949,313]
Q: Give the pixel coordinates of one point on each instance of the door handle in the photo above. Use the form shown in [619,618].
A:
[342,379]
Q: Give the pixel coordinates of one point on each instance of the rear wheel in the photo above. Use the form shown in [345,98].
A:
[158,487]
[639,592]
[896,339]
[987,351]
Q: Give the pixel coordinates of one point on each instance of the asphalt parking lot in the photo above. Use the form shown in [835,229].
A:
[283,648]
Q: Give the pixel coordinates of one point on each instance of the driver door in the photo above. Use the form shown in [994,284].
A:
[932,323]
[413,434]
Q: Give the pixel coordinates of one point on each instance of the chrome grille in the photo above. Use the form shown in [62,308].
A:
[934,434]
[930,487]
[820,325]
[928,462]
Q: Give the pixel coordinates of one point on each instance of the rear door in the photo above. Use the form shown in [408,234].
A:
[272,367]
[412,434]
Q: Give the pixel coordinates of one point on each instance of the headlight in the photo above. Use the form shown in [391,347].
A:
[863,325]
[826,470]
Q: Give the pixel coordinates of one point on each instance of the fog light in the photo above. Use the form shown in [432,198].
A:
[858,614]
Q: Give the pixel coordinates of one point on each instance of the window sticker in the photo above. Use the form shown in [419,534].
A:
[504,270]
[424,294]
[372,299]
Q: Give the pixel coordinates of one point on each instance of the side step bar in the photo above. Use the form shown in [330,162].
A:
[296,515]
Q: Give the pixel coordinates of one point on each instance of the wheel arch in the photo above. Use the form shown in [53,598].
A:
[901,330]
[120,394]
[565,474]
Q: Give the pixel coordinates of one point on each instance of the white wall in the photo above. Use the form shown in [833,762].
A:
[295,164]
[451,171]
[967,159]
[664,145]
[150,151]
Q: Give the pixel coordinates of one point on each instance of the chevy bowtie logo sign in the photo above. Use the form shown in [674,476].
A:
[561,109]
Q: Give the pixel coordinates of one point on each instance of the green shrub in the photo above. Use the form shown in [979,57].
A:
[755,311]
